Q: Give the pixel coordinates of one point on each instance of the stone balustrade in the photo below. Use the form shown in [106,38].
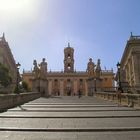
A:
[128,99]
[12,100]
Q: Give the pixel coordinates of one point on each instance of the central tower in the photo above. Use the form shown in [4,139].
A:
[68,59]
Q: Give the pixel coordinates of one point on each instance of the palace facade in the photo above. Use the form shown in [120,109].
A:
[69,82]
[130,63]
[7,59]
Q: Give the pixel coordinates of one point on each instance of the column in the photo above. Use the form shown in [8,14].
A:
[75,90]
[136,72]
[50,86]
[129,71]
[61,87]
[86,87]
[133,70]
[125,73]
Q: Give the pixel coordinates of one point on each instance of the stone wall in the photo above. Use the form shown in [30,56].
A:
[12,100]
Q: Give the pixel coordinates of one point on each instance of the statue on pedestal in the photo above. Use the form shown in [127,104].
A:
[39,81]
[43,68]
[90,67]
[98,69]
[36,70]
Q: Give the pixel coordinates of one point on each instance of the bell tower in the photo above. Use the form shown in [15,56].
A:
[68,59]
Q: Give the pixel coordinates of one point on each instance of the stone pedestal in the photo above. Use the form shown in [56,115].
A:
[43,87]
[36,85]
[94,85]
[90,82]
[40,85]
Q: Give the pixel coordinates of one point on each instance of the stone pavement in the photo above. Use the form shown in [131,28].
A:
[70,118]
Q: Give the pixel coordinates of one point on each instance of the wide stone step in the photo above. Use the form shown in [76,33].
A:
[72,114]
[67,106]
[74,117]
[69,122]
[102,129]
[70,118]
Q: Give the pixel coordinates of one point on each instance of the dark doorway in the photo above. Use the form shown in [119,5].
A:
[68,92]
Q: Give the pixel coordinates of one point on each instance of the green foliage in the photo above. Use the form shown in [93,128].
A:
[17,90]
[25,86]
[22,87]
[5,78]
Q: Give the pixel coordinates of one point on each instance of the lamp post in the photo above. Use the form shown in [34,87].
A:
[119,77]
[17,82]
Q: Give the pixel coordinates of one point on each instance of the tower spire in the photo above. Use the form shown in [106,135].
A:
[68,59]
[3,37]
[68,44]
[131,34]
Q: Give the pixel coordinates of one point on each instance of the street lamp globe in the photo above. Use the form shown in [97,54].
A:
[118,65]
[18,65]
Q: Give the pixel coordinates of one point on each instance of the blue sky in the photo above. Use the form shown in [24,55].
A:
[37,29]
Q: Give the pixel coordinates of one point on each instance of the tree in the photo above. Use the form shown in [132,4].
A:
[25,86]
[22,87]
[5,78]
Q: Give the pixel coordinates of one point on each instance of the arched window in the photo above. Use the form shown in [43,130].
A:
[56,82]
[81,81]
[69,66]
[69,55]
